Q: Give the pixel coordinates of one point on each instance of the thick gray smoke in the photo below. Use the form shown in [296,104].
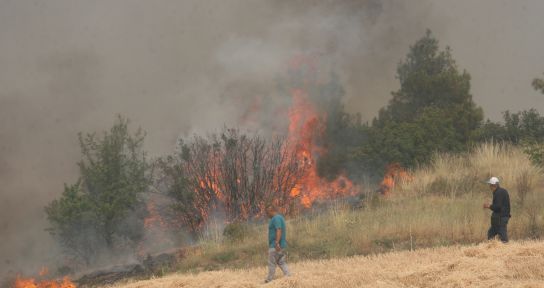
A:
[176,67]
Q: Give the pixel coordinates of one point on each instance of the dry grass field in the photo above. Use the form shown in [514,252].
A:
[490,264]
[440,205]
[422,235]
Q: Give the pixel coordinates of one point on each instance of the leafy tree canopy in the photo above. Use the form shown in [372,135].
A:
[432,111]
[103,209]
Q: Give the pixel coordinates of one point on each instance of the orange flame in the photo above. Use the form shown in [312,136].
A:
[295,192]
[305,127]
[394,173]
[32,283]
[153,218]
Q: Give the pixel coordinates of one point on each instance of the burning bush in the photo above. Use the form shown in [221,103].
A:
[239,173]
[233,172]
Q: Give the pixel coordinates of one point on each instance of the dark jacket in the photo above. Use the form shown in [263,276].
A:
[501,203]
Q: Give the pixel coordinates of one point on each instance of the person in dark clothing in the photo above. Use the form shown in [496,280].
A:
[501,211]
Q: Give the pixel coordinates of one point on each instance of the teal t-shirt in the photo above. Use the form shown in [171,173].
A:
[276,222]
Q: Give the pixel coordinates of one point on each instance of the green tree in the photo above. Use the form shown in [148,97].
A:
[408,143]
[430,78]
[432,111]
[538,84]
[525,128]
[517,128]
[186,202]
[104,209]
[343,132]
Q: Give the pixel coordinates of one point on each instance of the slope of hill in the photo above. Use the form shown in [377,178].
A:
[490,264]
[432,206]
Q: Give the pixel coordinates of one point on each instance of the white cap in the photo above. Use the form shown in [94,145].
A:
[493,181]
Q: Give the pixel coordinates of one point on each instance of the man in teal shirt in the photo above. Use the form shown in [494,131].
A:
[276,243]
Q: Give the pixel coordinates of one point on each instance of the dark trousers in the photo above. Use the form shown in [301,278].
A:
[498,227]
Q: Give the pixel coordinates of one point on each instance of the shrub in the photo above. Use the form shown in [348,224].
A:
[236,232]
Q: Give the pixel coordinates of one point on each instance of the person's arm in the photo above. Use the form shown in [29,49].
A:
[497,208]
[278,238]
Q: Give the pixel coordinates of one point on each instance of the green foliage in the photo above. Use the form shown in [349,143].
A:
[535,151]
[409,143]
[491,131]
[538,84]
[432,111]
[225,257]
[96,213]
[72,222]
[430,78]
[344,133]
[180,191]
[524,126]
[236,232]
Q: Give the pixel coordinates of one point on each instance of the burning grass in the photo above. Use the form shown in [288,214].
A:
[32,283]
[42,282]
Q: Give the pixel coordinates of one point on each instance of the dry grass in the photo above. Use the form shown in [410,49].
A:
[440,206]
[490,264]
[459,174]
[462,176]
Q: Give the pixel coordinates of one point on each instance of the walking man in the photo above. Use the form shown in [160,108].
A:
[501,211]
[276,243]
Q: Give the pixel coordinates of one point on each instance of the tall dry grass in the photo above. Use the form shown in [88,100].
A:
[462,176]
[440,205]
[454,175]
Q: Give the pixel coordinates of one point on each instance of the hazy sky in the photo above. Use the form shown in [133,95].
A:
[175,67]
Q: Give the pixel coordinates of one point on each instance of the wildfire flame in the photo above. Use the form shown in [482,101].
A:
[153,218]
[306,126]
[306,130]
[156,224]
[394,173]
[32,283]
[21,282]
